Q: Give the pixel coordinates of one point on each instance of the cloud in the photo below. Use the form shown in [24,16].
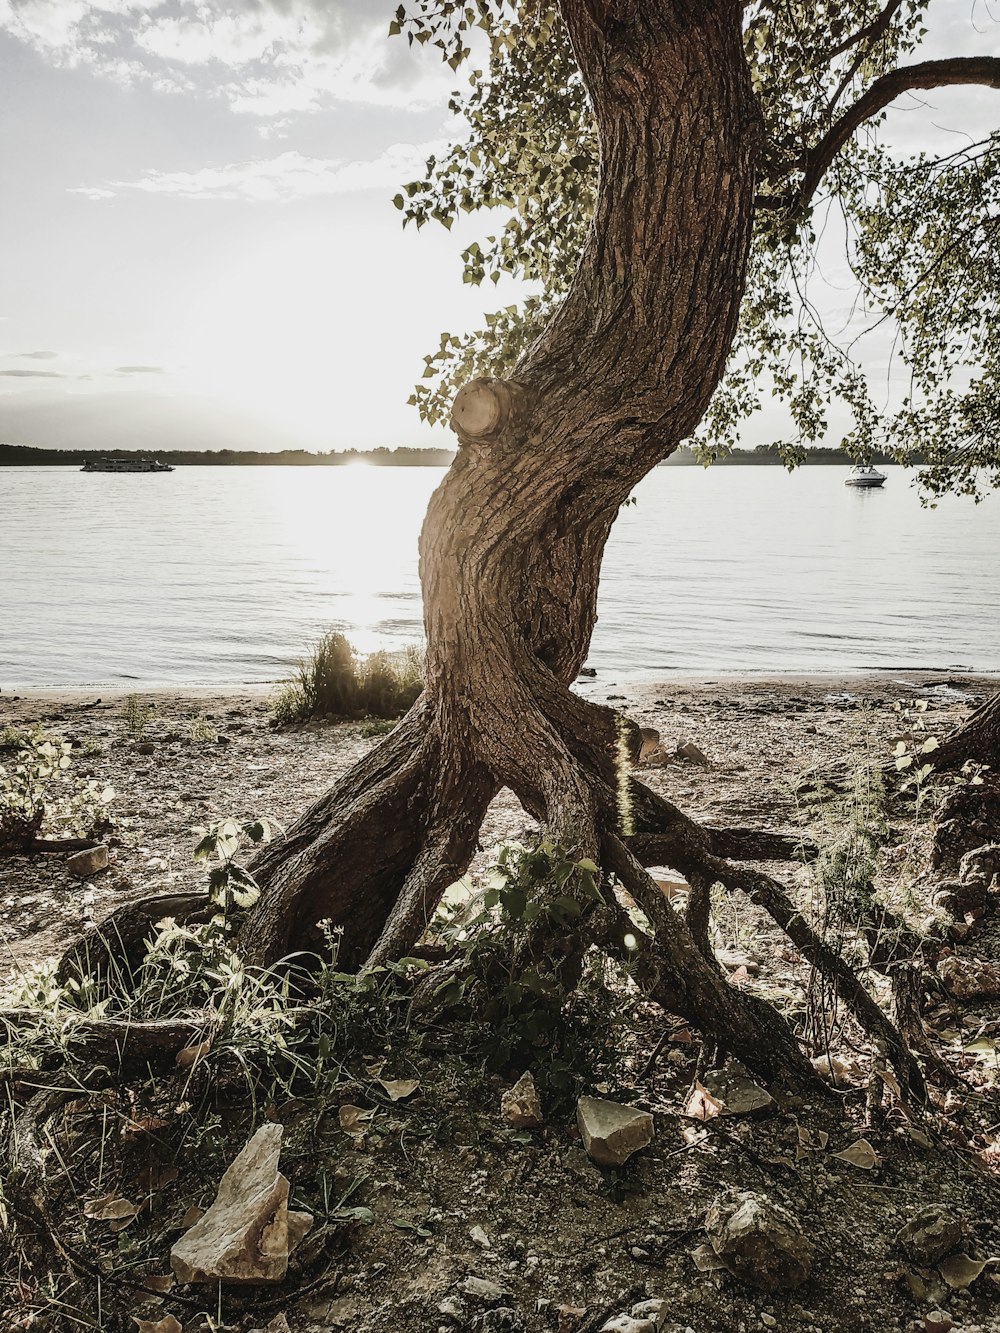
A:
[139,370]
[33,374]
[290,175]
[266,58]
[38,356]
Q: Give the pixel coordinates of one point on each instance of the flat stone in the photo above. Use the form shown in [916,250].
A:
[733,959]
[929,1235]
[482,1289]
[245,1236]
[88,862]
[689,751]
[519,1105]
[759,1241]
[612,1132]
[737,1092]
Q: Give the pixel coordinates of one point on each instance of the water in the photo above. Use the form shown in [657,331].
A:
[224,575]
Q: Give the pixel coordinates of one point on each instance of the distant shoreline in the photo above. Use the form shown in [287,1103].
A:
[24,455]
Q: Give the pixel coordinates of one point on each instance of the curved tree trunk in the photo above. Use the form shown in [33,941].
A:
[511,547]
[977,739]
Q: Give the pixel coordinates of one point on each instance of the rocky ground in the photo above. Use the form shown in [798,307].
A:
[470,1222]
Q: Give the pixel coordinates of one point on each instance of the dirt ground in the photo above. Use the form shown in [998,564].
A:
[563,1245]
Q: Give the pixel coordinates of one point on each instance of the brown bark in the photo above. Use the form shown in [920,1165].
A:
[977,740]
[511,548]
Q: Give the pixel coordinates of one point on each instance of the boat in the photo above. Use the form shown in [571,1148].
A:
[125,465]
[863,474]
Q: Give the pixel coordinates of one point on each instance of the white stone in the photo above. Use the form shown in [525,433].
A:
[246,1234]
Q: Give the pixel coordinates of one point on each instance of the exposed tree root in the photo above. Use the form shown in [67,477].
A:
[120,1045]
[375,854]
[119,942]
[37,846]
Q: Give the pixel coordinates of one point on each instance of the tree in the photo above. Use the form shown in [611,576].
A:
[671,290]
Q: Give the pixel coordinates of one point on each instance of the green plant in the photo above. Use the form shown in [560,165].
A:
[38,796]
[333,681]
[201,731]
[136,716]
[523,961]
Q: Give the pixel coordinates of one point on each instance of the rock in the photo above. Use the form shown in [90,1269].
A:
[733,959]
[672,886]
[929,1235]
[759,1241]
[88,862]
[980,868]
[625,1323]
[654,1310]
[588,671]
[689,751]
[968,818]
[145,747]
[247,1233]
[519,1105]
[969,978]
[452,1308]
[737,1092]
[482,1289]
[649,742]
[611,1132]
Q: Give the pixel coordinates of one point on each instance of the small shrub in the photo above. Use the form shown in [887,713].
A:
[38,797]
[333,681]
[202,732]
[136,717]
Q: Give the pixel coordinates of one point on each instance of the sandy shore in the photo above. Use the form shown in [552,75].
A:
[208,753]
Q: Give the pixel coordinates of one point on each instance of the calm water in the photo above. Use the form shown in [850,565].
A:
[223,575]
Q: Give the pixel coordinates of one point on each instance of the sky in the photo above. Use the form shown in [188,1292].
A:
[198,244]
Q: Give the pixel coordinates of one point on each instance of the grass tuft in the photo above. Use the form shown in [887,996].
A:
[334,681]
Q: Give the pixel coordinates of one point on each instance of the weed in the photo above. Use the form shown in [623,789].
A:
[523,964]
[38,795]
[333,681]
[136,716]
[201,731]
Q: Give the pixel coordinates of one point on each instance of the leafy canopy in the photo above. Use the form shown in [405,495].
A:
[914,237]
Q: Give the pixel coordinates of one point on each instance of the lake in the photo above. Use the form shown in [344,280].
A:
[225,575]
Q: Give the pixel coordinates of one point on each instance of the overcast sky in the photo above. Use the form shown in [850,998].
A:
[197,243]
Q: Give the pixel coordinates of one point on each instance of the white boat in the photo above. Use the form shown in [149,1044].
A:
[125,465]
[864,475]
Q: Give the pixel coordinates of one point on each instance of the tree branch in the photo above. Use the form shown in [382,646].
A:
[983,70]
[876,28]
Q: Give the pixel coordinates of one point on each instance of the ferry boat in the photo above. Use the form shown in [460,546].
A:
[125,465]
[864,475]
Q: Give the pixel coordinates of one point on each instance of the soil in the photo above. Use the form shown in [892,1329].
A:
[453,1192]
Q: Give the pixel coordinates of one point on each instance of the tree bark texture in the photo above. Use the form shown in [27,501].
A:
[976,740]
[511,547]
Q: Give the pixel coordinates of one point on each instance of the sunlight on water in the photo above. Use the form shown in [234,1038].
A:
[226,574]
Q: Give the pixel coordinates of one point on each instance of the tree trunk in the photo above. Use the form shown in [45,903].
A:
[976,740]
[511,547]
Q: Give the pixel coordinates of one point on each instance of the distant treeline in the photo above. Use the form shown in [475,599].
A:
[23,455]
[768,453]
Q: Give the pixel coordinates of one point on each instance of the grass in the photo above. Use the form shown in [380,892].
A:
[335,681]
[136,717]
